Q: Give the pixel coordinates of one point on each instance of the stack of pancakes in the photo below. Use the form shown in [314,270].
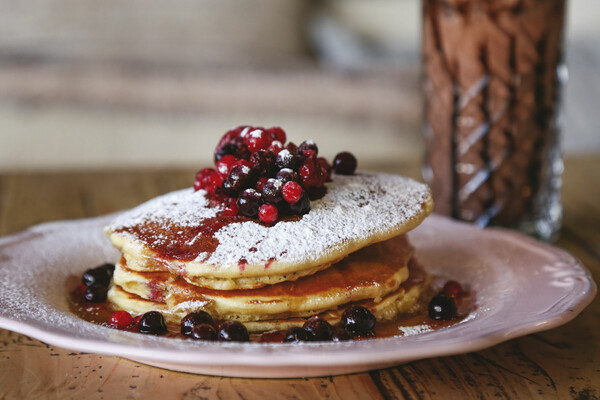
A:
[180,254]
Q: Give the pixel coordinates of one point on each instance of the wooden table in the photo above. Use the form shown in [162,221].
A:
[561,363]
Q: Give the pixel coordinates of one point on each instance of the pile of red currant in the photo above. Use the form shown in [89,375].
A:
[258,175]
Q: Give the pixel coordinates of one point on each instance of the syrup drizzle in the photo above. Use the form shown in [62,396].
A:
[183,243]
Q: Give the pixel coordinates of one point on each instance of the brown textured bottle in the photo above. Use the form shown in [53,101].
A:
[492,78]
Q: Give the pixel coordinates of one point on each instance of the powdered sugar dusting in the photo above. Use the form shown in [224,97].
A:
[355,208]
[184,207]
[415,330]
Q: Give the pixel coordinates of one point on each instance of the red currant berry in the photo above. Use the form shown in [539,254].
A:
[231,209]
[328,169]
[292,192]
[225,164]
[308,145]
[275,147]
[257,140]
[268,213]
[261,183]
[309,154]
[292,148]
[277,133]
[311,175]
[216,181]
[80,289]
[121,320]
[452,289]
[203,178]
[241,162]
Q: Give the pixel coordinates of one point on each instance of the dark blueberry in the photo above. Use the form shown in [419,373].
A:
[229,149]
[340,335]
[97,276]
[442,307]
[316,193]
[263,161]
[308,145]
[95,293]
[232,144]
[110,268]
[233,331]
[344,163]
[249,203]
[272,191]
[302,206]
[287,159]
[195,318]
[204,332]
[241,177]
[152,323]
[287,174]
[317,329]
[358,320]
[296,335]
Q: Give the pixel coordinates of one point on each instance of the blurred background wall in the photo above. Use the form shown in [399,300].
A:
[88,84]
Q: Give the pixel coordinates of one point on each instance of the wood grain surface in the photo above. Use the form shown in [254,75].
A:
[563,363]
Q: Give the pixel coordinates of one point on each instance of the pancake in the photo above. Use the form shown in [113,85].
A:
[371,273]
[404,300]
[179,233]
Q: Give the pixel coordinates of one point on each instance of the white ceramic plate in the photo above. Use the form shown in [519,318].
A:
[520,285]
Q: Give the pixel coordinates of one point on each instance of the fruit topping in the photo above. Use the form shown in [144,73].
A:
[452,289]
[302,206]
[317,329]
[110,268]
[97,276]
[152,323]
[296,335]
[204,332]
[272,191]
[308,145]
[292,192]
[259,159]
[287,159]
[345,163]
[121,320]
[233,331]
[442,307]
[263,161]
[340,335]
[95,293]
[287,174]
[326,167]
[249,203]
[225,164]
[268,213]
[256,140]
[241,177]
[195,318]
[358,320]
[277,134]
